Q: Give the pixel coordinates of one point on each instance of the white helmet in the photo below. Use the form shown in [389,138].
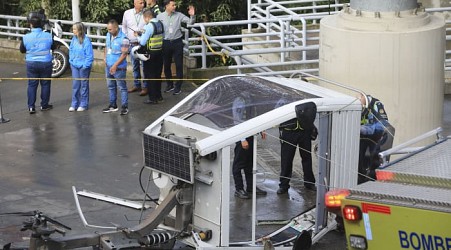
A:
[137,54]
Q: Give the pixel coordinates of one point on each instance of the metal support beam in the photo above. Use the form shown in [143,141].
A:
[156,217]
[323,170]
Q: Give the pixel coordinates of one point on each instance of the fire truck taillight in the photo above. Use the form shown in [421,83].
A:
[352,213]
[333,198]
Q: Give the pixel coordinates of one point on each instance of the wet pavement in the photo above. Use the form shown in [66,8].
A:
[43,155]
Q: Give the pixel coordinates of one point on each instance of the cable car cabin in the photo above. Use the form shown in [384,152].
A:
[189,149]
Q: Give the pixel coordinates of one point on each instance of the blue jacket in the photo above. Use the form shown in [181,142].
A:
[37,45]
[113,47]
[81,55]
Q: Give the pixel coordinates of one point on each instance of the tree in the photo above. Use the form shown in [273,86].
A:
[100,11]
[217,11]
[95,11]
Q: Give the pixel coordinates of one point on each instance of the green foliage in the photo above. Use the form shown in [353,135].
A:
[101,10]
[29,5]
[217,11]
[95,11]
[60,9]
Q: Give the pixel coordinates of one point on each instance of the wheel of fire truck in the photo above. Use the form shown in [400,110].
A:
[303,241]
[60,62]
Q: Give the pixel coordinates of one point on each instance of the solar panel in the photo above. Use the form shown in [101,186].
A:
[168,157]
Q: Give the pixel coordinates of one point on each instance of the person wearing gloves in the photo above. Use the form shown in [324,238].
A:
[373,123]
[81,57]
[150,47]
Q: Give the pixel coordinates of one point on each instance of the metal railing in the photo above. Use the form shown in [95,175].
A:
[272,28]
[258,41]
[448,34]
[16,27]
[286,31]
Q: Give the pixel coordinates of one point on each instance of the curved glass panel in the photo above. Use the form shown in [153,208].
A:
[231,100]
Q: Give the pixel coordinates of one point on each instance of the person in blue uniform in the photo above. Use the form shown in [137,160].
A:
[116,51]
[37,46]
[81,57]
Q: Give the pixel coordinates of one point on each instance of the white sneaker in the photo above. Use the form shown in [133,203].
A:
[81,109]
[71,109]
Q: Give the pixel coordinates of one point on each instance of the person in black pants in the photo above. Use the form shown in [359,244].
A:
[244,150]
[243,161]
[292,135]
[173,49]
[173,42]
[152,70]
[151,46]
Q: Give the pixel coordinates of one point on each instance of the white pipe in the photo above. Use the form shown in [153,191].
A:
[80,212]
[401,146]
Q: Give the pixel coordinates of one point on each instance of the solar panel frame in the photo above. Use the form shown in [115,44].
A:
[168,157]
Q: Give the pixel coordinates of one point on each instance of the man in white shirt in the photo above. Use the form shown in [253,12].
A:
[131,22]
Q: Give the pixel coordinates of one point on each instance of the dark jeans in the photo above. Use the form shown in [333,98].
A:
[302,139]
[243,160]
[39,70]
[152,70]
[368,162]
[173,50]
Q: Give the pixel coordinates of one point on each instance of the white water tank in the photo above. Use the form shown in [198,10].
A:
[393,50]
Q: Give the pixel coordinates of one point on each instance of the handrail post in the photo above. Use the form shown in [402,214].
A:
[186,39]
[204,47]
[304,38]
[249,16]
[282,40]
[268,16]
[238,62]
[17,32]
[98,33]
[2,119]
[8,24]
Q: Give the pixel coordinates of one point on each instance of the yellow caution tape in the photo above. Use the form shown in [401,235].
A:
[223,55]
